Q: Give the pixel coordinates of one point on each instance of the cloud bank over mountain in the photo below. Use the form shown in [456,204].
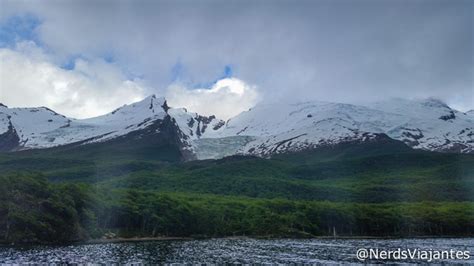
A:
[226,98]
[339,51]
[91,88]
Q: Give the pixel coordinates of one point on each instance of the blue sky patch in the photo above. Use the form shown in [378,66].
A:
[69,63]
[19,28]
[227,73]
[177,72]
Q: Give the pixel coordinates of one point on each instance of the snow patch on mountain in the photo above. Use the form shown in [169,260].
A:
[212,148]
[430,124]
[32,124]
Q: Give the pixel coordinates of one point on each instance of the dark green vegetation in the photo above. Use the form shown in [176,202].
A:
[376,189]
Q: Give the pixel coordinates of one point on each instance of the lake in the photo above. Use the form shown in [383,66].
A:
[308,251]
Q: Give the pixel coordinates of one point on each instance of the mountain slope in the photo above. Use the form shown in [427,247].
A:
[430,125]
[265,130]
[380,172]
[280,128]
[43,128]
[150,119]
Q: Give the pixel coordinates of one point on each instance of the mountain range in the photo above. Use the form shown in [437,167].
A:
[394,168]
[264,130]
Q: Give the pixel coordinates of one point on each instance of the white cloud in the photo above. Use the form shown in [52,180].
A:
[312,50]
[227,98]
[28,78]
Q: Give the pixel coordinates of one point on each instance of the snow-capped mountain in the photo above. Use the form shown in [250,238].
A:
[430,125]
[421,124]
[32,128]
[263,130]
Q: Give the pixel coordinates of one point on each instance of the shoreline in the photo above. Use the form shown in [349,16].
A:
[132,239]
[146,239]
[170,238]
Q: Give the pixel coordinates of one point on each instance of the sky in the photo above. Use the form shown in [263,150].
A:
[86,58]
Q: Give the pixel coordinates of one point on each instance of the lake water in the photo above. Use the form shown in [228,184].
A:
[310,251]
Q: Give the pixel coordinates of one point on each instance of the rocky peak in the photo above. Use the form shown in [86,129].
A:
[433,102]
[448,116]
[151,104]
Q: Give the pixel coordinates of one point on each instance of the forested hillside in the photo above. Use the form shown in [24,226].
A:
[351,190]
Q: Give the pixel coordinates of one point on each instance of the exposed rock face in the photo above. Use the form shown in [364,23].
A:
[449,116]
[9,140]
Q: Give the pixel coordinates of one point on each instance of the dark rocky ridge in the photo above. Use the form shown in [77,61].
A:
[9,140]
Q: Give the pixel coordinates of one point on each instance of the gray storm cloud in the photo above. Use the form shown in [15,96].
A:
[347,51]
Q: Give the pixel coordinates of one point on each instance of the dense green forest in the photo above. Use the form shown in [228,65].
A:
[350,190]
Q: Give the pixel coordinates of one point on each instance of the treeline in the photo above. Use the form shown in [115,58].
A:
[333,176]
[33,210]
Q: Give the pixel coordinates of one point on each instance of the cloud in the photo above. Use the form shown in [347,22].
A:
[343,51]
[93,87]
[225,99]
